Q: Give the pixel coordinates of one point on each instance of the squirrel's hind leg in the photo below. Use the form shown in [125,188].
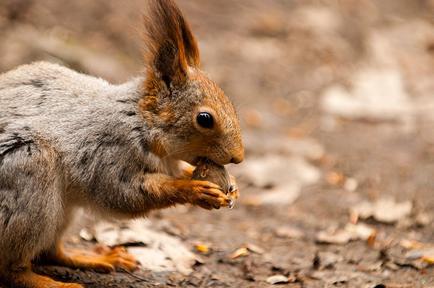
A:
[103,259]
[31,209]
[28,279]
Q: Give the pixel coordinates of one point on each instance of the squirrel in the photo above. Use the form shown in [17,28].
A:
[69,140]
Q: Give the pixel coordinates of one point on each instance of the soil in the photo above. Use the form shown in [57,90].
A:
[275,59]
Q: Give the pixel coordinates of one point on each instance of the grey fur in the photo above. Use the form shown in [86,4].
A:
[61,148]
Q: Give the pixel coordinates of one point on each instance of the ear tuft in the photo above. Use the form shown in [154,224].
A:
[171,46]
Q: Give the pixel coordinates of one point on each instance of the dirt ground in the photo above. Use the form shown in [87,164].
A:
[341,93]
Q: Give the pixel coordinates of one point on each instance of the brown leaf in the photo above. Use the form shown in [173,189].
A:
[240,252]
[351,232]
[254,248]
[202,248]
[277,279]
[385,210]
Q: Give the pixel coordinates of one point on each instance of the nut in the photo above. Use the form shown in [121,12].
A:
[210,171]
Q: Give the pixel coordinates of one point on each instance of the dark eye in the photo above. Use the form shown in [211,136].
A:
[205,120]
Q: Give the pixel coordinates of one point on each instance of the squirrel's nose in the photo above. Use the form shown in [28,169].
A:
[238,157]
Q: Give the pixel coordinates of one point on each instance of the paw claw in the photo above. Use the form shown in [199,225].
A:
[209,195]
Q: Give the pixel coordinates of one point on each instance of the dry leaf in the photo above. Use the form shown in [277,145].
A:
[277,279]
[202,248]
[428,259]
[385,210]
[254,248]
[351,232]
[240,252]
[333,237]
[411,244]
[162,252]
[425,254]
[418,252]
[377,94]
[360,231]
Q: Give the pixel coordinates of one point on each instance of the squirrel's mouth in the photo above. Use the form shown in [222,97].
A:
[197,159]
[192,160]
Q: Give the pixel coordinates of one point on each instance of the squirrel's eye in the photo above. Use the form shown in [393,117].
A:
[205,120]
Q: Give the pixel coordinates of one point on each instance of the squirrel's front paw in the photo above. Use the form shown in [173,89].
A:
[208,195]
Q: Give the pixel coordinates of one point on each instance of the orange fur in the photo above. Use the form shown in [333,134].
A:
[105,260]
[29,279]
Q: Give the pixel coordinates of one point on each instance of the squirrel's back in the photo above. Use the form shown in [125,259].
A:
[42,87]
[66,109]
[51,99]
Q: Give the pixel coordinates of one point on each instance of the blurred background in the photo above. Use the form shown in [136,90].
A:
[336,100]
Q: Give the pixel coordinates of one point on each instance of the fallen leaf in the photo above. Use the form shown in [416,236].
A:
[277,279]
[385,210]
[254,248]
[428,259]
[360,231]
[411,244]
[377,94]
[155,250]
[426,254]
[351,232]
[333,237]
[240,252]
[202,248]
[418,255]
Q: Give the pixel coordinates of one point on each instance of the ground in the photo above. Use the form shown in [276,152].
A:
[338,91]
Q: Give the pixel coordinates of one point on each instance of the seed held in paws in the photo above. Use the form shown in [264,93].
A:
[210,171]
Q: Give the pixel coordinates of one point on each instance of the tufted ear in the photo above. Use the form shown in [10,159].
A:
[171,46]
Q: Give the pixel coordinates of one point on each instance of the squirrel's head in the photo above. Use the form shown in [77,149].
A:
[192,116]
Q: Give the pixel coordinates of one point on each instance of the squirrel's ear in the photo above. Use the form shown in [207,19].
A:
[171,46]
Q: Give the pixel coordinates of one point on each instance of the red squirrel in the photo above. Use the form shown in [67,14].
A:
[69,140]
